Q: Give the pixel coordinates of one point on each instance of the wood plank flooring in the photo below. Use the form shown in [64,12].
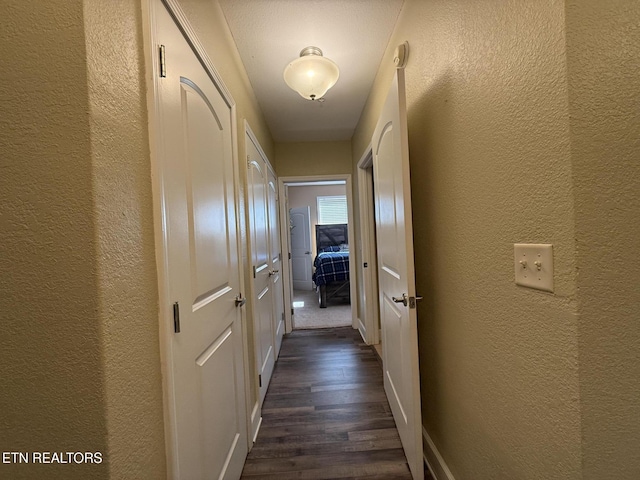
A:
[325,415]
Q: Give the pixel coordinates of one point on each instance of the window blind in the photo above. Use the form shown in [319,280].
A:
[332,209]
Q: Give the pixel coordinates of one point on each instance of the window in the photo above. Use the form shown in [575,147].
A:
[332,210]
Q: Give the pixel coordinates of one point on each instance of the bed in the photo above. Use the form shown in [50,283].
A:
[331,275]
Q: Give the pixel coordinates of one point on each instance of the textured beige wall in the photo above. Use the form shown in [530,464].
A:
[124,236]
[491,166]
[312,158]
[52,380]
[603,51]
[79,303]
[308,196]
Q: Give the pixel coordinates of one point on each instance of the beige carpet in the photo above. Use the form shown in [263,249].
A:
[307,313]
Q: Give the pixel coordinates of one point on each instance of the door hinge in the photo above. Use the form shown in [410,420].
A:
[289,255]
[176,317]
[260,381]
[292,311]
[163,65]
[282,315]
[254,271]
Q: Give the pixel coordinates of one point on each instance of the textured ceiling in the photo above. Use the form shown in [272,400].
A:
[352,33]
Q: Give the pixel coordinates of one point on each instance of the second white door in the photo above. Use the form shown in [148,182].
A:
[266,260]
[300,233]
[262,308]
[396,273]
[275,258]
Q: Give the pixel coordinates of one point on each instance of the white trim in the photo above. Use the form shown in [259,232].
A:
[256,143]
[160,231]
[367,224]
[283,182]
[316,184]
[436,463]
[255,437]
[363,330]
[286,255]
[240,215]
[366,160]
[256,422]
[353,280]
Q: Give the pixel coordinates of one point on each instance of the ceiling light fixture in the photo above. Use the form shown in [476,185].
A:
[311,75]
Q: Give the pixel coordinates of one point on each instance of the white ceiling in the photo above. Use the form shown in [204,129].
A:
[270,33]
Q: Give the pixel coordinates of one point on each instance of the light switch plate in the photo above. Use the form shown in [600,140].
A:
[534,265]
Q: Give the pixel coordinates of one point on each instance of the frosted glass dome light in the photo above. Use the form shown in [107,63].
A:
[311,75]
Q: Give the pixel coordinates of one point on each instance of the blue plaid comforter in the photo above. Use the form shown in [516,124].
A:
[331,267]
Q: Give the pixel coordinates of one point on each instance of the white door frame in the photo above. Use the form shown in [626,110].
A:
[165,313]
[284,208]
[368,324]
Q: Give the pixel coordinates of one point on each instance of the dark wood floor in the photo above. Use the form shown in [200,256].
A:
[325,414]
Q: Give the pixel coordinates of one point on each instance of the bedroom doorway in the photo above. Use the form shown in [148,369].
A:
[331,302]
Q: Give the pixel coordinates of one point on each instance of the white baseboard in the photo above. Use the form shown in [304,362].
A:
[256,421]
[434,460]
[363,330]
[255,435]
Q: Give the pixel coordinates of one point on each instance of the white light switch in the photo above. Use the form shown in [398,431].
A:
[534,265]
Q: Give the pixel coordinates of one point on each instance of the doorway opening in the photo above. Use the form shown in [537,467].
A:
[316,241]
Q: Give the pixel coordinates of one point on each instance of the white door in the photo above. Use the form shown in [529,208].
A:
[206,385]
[264,325]
[301,248]
[275,259]
[396,273]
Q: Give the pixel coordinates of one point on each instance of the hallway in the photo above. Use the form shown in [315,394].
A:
[325,414]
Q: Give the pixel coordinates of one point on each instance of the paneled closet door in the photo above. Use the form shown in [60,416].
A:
[275,258]
[262,305]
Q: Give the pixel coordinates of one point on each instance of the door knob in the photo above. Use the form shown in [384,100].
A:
[273,272]
[407,300]
[403,300]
